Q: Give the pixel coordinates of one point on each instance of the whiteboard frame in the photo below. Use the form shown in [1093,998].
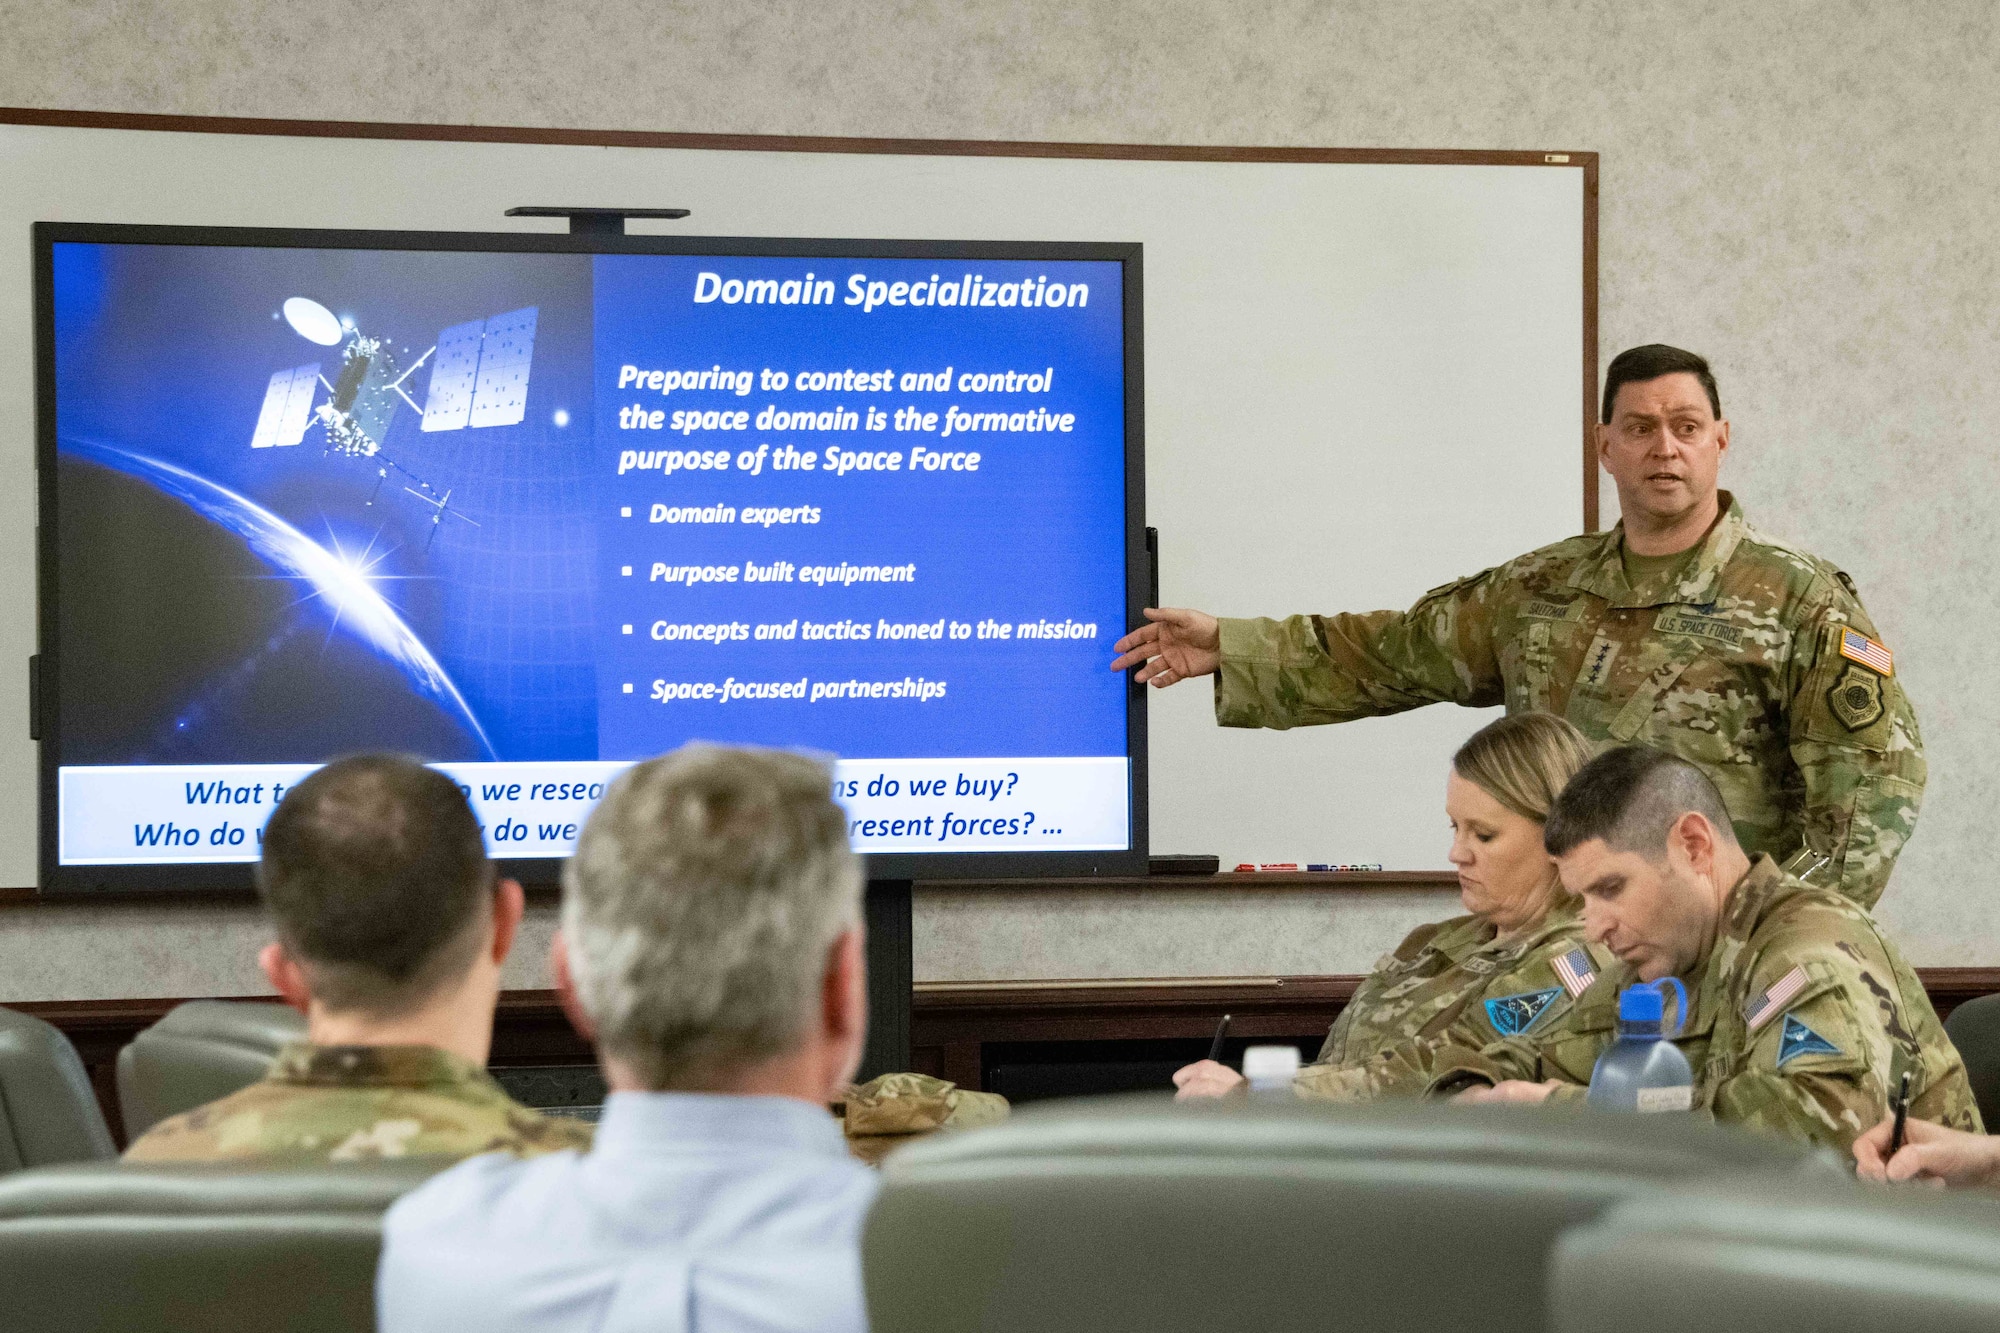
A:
[1587,163]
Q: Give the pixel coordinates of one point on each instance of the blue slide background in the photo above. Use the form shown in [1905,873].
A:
[1037,531]
[163,354]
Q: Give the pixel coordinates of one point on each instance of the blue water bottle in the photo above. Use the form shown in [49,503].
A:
[1643,1070]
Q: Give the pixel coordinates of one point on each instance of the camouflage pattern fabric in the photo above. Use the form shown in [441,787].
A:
[891,1109]
[1737,658]
[1801,1022]
[356,1103]
[1451,985]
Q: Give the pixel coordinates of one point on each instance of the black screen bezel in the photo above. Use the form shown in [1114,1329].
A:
[54,879]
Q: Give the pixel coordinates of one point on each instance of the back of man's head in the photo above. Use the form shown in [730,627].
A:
[1630,797]
[706,892]
[377,881]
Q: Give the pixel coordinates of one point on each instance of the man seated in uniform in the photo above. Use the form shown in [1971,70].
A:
[711,945]
[1802,1018]
[391,931]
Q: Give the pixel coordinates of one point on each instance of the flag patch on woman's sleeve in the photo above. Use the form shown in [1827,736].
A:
[1575,972]
[1771,1003]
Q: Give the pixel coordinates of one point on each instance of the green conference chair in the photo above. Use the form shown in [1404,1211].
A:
[201,1051]
[1834,1257]
[1974,1027]
[196,1249]
[48,1112]
[1139,1214]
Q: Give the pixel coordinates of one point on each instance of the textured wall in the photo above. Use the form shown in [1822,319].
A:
[1806,192]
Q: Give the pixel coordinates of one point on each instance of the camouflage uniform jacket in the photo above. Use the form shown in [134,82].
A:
[1451,984]
[1749,658]
[352,1103]
[891,1109]
[1801,1022]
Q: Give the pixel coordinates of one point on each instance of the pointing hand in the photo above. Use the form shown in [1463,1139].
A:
[1176,644]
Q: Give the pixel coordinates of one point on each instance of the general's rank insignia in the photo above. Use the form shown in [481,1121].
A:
[1797,1039]
[1575,971]
[1511,1015]
[1772,1002]
[1860,648]
[1856,698]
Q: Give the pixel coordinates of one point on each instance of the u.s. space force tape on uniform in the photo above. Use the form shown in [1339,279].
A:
[358,1103]
[1749,658]
[1801,1022]
[1449,985]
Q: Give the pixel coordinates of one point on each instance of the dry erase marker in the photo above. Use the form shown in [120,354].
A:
[1221,1031]
[1902,1115]
[1264,867]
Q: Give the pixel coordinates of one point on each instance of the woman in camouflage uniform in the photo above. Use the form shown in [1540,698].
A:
[1515,963]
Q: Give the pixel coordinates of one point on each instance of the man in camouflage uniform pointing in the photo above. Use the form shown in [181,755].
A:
[1802,1018]
[1682,628]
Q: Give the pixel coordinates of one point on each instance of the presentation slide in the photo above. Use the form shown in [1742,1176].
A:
[536,516]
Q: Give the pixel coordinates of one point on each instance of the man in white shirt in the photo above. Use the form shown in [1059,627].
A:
[711,947]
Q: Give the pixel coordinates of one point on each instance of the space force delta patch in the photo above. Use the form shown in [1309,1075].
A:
[1575,971]
[1511,1015]
[1797,1039]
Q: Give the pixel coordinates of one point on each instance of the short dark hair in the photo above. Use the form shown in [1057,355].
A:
[1630,797]
[1637,365]
[376,878]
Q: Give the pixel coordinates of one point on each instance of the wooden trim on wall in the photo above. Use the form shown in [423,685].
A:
[1590,366]
[1228,881]
[782,143]
[951,1022]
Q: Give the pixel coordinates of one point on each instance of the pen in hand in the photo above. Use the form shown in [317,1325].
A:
[1902,1117]
[1221,1031]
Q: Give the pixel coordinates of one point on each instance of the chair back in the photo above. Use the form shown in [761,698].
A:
[200,1052]
[1834,1257]
[1974,1027]
[48,1110]
[196,1249]
[1139,1214]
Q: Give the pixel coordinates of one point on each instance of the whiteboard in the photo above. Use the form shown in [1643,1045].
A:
[1364,377]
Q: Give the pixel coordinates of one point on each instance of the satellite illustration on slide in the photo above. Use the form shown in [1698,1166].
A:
[315,501]
[480,378]
[246,530]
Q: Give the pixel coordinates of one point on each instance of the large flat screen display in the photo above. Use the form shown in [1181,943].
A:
[533,508]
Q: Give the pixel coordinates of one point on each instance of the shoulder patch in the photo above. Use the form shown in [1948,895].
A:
[1858,647]
[1763,1008]
[1575,970]
[1797,1039]
[1856,698]
[1511,1015]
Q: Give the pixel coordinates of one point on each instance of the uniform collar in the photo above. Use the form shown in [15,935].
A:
[301,1062]
[1695,580]
[1480,936]
[1752,897]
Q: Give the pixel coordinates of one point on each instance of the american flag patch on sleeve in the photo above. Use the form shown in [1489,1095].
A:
[1772,1002]
[1573,969]
[1860,648]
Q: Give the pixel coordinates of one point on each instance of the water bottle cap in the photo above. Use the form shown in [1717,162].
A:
[1271,1063]
[1641,1004]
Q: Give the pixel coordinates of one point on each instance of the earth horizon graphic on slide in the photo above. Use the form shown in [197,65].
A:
[349,611]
